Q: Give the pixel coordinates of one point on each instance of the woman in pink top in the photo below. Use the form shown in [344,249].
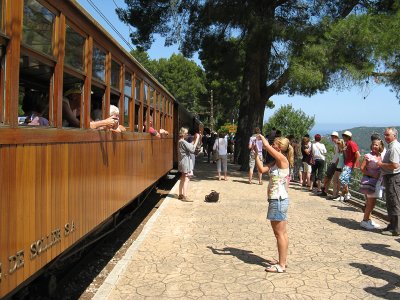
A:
[369,182]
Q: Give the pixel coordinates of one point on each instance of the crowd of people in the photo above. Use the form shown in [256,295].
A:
[284,159]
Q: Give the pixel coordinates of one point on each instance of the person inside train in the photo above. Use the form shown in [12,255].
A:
[71,112]
[33,108]
[114,113]
[71,106]
[158,134]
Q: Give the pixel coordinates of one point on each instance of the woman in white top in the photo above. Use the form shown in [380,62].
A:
[278,198]
[317,171]
[221,145]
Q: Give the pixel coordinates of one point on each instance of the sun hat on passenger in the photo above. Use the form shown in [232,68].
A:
[347,133]
[335,133]
[73,91]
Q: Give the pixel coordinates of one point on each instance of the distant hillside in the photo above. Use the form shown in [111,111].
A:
[362,136]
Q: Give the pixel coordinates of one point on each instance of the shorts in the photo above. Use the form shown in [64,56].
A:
[346,175]
[277,209]
[252,161]
[330,171]
[306,167]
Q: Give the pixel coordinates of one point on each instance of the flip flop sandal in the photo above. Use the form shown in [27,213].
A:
[274,262]
[275,269]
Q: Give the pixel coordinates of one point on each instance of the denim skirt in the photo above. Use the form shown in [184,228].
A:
[277,209]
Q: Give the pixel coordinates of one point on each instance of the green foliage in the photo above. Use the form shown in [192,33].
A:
[223,62]
[290,122]
[256,49]
[182,77]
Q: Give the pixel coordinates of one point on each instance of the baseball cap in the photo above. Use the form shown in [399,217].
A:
[348,133]
[335,133]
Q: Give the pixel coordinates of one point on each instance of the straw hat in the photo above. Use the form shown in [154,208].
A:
[73,91]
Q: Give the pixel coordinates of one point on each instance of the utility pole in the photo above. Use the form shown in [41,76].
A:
[212,111]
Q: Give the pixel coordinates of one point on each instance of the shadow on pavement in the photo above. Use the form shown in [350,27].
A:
[393,281]
[348,223]
[241,181]
[346,208]
[244,255]
[381,249]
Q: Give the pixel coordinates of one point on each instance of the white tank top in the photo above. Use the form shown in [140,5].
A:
[277,183]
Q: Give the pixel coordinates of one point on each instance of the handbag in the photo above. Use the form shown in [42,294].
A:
[212,197]
[216,152]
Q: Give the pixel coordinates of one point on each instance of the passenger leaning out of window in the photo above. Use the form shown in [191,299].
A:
[71,111]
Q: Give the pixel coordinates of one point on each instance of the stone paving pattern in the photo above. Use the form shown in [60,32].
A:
[219,250]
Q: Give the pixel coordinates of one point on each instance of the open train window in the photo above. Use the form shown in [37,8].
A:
[35,90]
[114,100]
[99,64]
[72,107]
[97,100]
[38,27]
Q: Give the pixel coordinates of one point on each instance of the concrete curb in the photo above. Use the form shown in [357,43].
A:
[106,288]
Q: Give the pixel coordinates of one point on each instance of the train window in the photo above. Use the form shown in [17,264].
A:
[97,99]
[35,82]
[1,16]
[38,27]
[159,102]
[146,94]
[137,114]
[99,60]
[74,49]
[114,100]
[128,84]
[137,103]
[152,104]
[72,101]
[127,103]
[115,69]
[128,97]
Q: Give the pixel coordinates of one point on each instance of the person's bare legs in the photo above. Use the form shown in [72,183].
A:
[259,178]
[336,184]
[250,175]
[369,207]
[185,186]
[181,184]
[282,241]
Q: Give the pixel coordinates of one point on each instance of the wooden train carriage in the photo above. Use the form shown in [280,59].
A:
[58,182]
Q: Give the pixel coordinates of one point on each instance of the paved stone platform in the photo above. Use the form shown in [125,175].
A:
[219,250]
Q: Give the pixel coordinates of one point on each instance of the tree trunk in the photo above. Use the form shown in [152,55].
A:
[252,104]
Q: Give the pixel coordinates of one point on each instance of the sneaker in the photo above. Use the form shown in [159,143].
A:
[347,197]
[376,225]
[334,198]
[341,198]
[322,194]
[367,225]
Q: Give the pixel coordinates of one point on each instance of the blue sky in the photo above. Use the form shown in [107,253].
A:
[333,110]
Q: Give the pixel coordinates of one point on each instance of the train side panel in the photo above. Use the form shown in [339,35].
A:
[54,194]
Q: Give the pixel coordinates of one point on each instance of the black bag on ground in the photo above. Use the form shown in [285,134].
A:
[212,197]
